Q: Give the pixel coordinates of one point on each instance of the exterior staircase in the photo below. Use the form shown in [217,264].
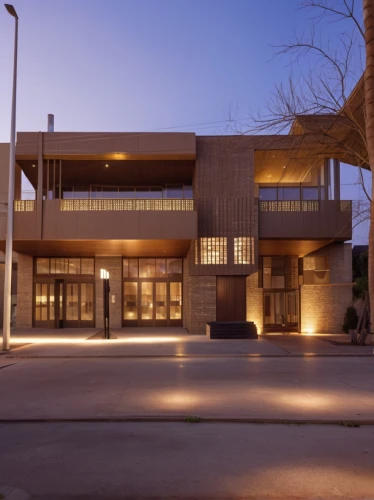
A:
[231,330]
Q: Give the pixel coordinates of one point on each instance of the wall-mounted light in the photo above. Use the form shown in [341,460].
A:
[104,274]
[34,166]
[106,165]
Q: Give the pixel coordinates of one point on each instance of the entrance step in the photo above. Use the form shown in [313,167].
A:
[231,330]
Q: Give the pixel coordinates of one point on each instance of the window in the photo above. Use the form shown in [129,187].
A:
[268,194]
[213,250]
[87,266]
[288,193]
[42,266]
[174,267]
[130,268]
[59,265]
[244,250]
[64,265]
[310,193]
[280,272]
[147,268]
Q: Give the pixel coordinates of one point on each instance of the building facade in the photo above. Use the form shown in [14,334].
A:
[191,230]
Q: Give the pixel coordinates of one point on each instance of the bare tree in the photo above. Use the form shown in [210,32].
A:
[331,105]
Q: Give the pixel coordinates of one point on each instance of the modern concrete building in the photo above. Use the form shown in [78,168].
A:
[191,229]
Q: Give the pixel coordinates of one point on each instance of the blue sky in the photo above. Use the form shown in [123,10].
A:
[125,65]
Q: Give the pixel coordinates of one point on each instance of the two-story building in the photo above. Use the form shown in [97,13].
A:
[192,229]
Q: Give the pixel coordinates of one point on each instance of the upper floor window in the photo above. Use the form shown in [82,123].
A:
[211,251]
[152,268]
[244,250]
[64,265]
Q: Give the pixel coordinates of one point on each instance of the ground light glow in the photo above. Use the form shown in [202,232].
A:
[63,340]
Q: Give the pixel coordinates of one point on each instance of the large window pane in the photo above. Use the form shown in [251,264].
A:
[310,193]
[72,302]
[174,192]
[41,302]
[87,266]
[74,266]
[125,192]
[174,267]
[130,297]
[147,268]
[52,301]
[160,268]
[146,300]
[42,266]
[59,265]
[142,193]
[268,194]
[155,193]
[289,193]
[87,301]
[187,192]
[161,300]
[175,300]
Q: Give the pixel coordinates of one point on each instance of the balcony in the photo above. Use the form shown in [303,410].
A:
[305,219]
[79,220]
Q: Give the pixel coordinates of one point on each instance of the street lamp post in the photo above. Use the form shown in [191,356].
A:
[104,275]
[12,161]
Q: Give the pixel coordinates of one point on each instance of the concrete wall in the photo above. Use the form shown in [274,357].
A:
[114,266]
[24,291]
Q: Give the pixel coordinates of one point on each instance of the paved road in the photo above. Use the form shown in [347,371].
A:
[281,387]
[185,461]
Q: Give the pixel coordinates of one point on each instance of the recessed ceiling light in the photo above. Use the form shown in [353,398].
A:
[106,165]
[34,166]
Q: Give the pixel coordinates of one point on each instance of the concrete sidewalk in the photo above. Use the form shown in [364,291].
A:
[158,342]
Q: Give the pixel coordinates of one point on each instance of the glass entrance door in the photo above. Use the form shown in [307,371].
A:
[281,310]
[152,303]
[79,305]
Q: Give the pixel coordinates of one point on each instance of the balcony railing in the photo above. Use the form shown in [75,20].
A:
[24,205]
[85,205]
[300,206]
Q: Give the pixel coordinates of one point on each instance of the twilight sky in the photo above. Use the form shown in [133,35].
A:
[144,65]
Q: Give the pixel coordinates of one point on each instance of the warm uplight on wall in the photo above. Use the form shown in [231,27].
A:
[106,165]
[104,274]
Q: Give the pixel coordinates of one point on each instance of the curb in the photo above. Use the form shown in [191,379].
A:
[192,419]
[186,356]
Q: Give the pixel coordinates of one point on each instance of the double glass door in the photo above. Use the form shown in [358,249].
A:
[60,304]
[152,303]
[281,310]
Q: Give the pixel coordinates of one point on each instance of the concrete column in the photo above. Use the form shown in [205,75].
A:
[39,194]
[114,266]
[336,180]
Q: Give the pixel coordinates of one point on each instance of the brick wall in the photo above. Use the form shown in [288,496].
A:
[339,258]
[114,266]
[187,293]
[323,306]
[255,302]
[24,291]
[203,303]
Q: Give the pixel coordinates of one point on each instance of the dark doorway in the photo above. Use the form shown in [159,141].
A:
[231,298]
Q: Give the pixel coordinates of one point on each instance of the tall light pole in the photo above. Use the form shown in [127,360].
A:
[12,162]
